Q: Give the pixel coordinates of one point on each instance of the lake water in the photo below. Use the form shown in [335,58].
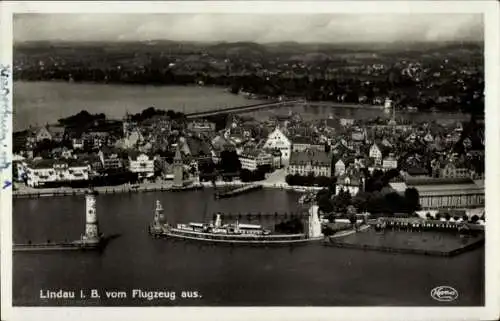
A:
[45,102]
[307,275]
[39,103]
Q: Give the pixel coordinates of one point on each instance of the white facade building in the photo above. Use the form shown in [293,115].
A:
[312,161]
[348,183]
[339,168]
[376,154]
[253,159]
[278,140]
[45,171]
[389,163]
[142,164]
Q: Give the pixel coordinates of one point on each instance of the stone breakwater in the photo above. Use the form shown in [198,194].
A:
[440,245]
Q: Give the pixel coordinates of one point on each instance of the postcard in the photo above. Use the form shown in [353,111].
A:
[249,160]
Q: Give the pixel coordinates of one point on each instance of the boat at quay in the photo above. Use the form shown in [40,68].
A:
[232,233]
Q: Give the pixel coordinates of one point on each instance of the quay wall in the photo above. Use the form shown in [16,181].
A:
[468,247]
[258,241]
[53,192]
[51,247]
[102,190]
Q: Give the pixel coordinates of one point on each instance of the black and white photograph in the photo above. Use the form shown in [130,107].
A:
[249,158]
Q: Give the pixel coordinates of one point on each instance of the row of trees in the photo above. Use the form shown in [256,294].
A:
[309,180]
[375,202]
[151,112]
[473,219]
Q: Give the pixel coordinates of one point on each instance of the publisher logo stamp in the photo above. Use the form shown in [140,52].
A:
[444,293]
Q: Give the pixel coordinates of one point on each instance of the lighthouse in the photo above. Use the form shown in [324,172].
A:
[91,224]
[313,223]
[159,221]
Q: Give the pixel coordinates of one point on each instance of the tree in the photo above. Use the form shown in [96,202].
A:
[230,162]
[412,199]
[245,175]
[265,168]
[322,181]
[394,203]
[325,204]
[327,231]
[341,201]
[353,220]
[351,210]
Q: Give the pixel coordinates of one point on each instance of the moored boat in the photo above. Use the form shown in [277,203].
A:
[230,233]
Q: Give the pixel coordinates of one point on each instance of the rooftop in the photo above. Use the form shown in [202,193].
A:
[315,157]
[49,163]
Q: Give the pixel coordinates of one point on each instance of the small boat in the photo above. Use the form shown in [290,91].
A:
[300,189]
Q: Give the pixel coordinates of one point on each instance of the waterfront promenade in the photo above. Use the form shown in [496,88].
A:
[275,180]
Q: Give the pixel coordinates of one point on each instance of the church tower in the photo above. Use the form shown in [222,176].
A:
[91,225]
[178,168]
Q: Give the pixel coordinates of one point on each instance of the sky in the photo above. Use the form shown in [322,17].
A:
[261,28]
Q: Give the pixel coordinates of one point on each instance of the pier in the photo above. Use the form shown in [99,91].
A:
[90,240]
[392,249]
[238,191]
[42,247]
[105,190]
[263,215]
[233,233]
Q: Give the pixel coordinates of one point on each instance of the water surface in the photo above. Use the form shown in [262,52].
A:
[311,275]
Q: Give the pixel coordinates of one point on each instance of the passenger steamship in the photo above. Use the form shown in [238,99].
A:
[228,233]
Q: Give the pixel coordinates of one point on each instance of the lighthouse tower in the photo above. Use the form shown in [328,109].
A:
[313,223]
[91,224]
[159,221]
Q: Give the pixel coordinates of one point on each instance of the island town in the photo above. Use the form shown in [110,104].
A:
[346,169]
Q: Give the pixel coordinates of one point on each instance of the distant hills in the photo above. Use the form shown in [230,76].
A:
[263,47]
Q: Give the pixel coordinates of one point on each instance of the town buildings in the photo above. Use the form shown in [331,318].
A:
[349,182]
[142,164]
[302,143]
[252,159]
[50,172]
[310,161]
[201,127]
[111,158]
[278,141]
[438,193]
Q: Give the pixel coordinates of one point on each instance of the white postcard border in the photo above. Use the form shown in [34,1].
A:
[491,21]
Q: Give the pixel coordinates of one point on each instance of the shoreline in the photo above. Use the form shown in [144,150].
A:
[27,192]
[310,103]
